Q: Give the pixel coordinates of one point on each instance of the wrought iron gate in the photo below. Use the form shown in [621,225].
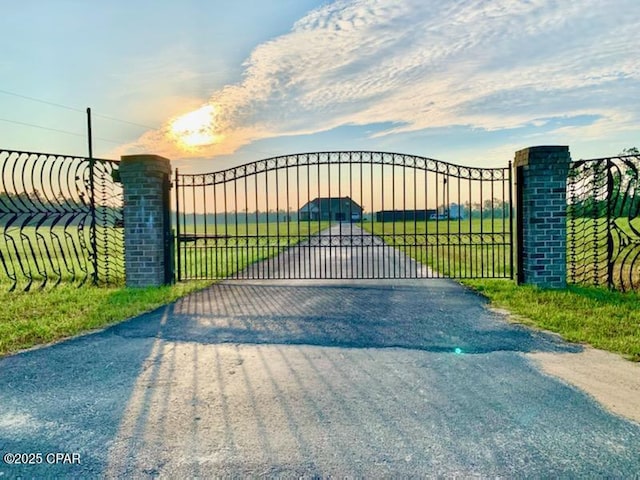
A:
[61,220]
[344,215]
[603,222]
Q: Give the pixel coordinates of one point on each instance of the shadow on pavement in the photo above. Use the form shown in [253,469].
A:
[431,315]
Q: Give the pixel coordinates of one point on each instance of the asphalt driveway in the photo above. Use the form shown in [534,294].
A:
[298,378]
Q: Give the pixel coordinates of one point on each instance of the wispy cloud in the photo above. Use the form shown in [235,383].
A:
[419,64]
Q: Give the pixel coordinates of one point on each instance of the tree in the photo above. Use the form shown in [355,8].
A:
[629,151]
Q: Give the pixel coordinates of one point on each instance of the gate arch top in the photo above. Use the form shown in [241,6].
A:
[344,157]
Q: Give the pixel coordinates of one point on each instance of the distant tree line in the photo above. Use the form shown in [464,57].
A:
[490,208]
[233,217]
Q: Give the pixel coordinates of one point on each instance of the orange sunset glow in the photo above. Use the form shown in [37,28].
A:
[194,129]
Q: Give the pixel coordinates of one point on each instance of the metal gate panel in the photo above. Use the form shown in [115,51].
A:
[344,215]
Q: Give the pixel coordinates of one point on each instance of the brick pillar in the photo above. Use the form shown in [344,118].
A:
[541,206]
[145,184]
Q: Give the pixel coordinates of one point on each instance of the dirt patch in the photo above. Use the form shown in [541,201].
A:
[613,381]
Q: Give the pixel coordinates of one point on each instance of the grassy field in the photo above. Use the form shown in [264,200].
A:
[459,248]
[231,249]
[59,254]
[588,254]
[605,319]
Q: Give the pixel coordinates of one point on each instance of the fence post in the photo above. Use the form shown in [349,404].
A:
[146,183]
[541,210]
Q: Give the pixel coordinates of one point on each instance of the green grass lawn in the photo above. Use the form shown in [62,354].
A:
[604,319]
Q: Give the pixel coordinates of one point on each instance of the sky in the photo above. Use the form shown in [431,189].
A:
[214,84]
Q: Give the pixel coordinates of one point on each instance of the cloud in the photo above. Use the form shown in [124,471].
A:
[420,64]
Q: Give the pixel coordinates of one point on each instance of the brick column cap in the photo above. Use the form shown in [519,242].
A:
[540,154]
[145,162]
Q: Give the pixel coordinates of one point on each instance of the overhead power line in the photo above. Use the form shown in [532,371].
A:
[67,107]
[40,101]
[57,130]
[124,121]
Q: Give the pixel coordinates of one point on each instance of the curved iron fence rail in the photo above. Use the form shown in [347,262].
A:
[603,222]
[454,220]
[57,225]
[355,157]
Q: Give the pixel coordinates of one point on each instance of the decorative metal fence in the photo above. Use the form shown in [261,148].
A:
[603,222]
[61,220]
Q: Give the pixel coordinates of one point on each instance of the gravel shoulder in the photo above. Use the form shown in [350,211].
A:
[610,379]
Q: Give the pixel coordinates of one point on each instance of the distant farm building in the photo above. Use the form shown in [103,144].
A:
[404,215]
[454,212]
[340,209]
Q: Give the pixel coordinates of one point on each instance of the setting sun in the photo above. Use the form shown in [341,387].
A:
[194,129]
